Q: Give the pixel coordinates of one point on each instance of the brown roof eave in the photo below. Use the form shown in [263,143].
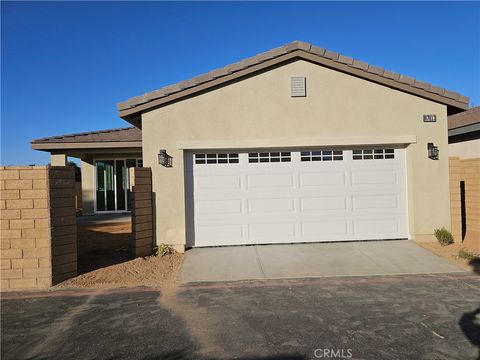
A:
[340,63]
[47,146]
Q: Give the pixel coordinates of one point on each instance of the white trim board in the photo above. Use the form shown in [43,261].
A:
[296,142]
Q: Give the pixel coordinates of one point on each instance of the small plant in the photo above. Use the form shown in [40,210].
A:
[162,250]
[443,236]
[465,254]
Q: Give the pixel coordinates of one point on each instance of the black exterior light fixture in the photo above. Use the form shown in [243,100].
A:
[432,151]
[164,159]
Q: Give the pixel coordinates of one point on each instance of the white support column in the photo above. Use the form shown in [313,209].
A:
[58,159]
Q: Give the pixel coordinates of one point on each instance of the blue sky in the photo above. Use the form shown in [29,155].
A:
[65,65]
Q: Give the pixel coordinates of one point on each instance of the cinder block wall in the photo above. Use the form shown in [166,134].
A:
[467,170]
[142,211]
[63,223]
[38,232]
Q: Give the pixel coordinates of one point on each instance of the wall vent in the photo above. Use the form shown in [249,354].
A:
[298,88]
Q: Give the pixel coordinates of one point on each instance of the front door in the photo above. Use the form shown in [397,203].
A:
[112,184]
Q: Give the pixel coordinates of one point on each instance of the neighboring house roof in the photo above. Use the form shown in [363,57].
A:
[465,118]
[467,122]
[131,108]
[112,138]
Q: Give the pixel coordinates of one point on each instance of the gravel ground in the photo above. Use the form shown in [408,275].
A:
[151,271]
[104,260]
[449,252]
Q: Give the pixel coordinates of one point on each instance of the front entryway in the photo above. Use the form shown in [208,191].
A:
[103,240]
[302,195]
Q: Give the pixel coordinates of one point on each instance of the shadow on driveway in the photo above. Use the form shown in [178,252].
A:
[470,321]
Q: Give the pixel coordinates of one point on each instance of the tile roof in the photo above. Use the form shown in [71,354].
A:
[328,58]
[128,134]
[465,118]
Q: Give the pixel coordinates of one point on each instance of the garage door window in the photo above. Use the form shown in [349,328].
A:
[375,154]
[221,158]
[321,155]
[265,157]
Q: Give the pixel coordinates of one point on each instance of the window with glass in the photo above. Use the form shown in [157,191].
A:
[321,155]
[220,158]
[270,157]
[373,154]
[113,184]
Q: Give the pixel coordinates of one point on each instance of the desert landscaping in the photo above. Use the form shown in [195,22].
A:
[104,260]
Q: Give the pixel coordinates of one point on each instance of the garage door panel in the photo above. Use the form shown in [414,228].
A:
[271,231]
[217,182]
[376,226]
[324,229]
[270,205]
[218,207]
[325,203]
[270,181]
[298,200]
[375,202]
[323,179]
[215,232]
[387,177]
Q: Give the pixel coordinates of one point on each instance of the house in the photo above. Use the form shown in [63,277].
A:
[464,134]
[105,156]
[464,151]
[297,144]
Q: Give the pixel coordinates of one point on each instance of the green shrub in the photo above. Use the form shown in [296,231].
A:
[465,254]
[162,250]
[443,236]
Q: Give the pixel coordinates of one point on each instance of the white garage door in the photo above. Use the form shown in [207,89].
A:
[286,196]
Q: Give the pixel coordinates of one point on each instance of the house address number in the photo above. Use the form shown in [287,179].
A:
[430,118]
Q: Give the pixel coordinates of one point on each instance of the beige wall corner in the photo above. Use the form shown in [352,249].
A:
[179,248]
[58,160]
[465,150]
[424,238]
[88,186]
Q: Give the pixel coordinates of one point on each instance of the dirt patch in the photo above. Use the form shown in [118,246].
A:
[449,252]
[101,245]
[151,271]
[104,260]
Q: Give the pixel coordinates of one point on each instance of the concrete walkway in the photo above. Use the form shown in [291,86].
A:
[310,260]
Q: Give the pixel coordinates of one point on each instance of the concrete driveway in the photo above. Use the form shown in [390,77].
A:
[310,260]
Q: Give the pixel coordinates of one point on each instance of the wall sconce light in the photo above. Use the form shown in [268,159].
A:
[432,151]
[165,159]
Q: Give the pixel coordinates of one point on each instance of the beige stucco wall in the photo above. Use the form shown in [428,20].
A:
[88,186]
[337,106]
[465,150]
